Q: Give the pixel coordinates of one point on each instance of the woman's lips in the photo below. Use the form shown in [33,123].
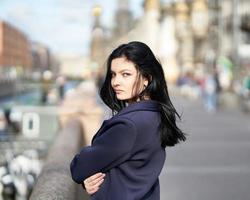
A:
[118,91]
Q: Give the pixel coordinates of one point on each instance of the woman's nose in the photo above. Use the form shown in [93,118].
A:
[116,80]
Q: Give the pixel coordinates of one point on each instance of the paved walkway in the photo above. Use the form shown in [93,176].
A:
[214,163]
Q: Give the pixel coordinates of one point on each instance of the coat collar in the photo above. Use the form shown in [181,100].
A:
[144,105]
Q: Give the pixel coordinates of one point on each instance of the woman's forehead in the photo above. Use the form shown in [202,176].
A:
[122,64]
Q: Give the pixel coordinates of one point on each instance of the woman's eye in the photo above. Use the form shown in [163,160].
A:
[125,74]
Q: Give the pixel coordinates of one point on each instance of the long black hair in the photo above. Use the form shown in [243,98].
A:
[148,66]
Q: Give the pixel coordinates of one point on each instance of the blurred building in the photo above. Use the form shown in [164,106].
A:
[43,59]
[40,57]
[74,66]
[168,43]
[14,47]
[188,36]
[124,19]
[147,29]
[97,49]
[244,39]
[15,58]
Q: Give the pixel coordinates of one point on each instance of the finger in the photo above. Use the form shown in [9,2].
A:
[94,182]
[93,187]
[98,183]
[92,191]
[93,177]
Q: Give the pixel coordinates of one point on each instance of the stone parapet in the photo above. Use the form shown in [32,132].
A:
[55,180]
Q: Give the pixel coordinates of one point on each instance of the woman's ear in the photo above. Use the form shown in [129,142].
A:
[145,83]
[146,80]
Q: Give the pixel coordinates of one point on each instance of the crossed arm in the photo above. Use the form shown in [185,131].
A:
[108,150]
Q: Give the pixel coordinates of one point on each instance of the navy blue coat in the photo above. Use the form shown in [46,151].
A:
[127,149]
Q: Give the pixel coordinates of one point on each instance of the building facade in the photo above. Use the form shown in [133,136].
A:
[192,35]
[14,47]
[43,59]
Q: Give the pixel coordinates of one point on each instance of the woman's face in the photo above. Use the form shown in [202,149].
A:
[125,79]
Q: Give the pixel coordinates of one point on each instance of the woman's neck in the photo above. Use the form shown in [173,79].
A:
[137,100]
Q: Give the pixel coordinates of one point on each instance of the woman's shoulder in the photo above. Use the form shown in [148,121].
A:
[138,118]
[136,113]
[114,124]
[121,119]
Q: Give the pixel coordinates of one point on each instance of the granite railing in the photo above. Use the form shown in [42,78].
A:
[54,182]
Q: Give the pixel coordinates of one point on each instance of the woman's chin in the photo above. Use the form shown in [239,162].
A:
[121,98]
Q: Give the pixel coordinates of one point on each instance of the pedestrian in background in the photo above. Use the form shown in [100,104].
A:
[127,154]
[246,84]
[210,93]
[61,82]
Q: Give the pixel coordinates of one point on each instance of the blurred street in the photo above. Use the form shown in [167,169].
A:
[214,163]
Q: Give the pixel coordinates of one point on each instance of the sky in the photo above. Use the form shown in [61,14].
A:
[62,25]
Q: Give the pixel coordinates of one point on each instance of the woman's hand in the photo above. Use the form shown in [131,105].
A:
[92,183]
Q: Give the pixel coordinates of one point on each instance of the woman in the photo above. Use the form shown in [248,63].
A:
[128,152]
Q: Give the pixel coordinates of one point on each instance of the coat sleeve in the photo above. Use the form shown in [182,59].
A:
[108,150]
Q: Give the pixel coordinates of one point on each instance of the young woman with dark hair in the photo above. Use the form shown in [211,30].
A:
[128,152]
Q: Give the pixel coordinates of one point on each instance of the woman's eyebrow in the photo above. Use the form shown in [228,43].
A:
[120,71]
